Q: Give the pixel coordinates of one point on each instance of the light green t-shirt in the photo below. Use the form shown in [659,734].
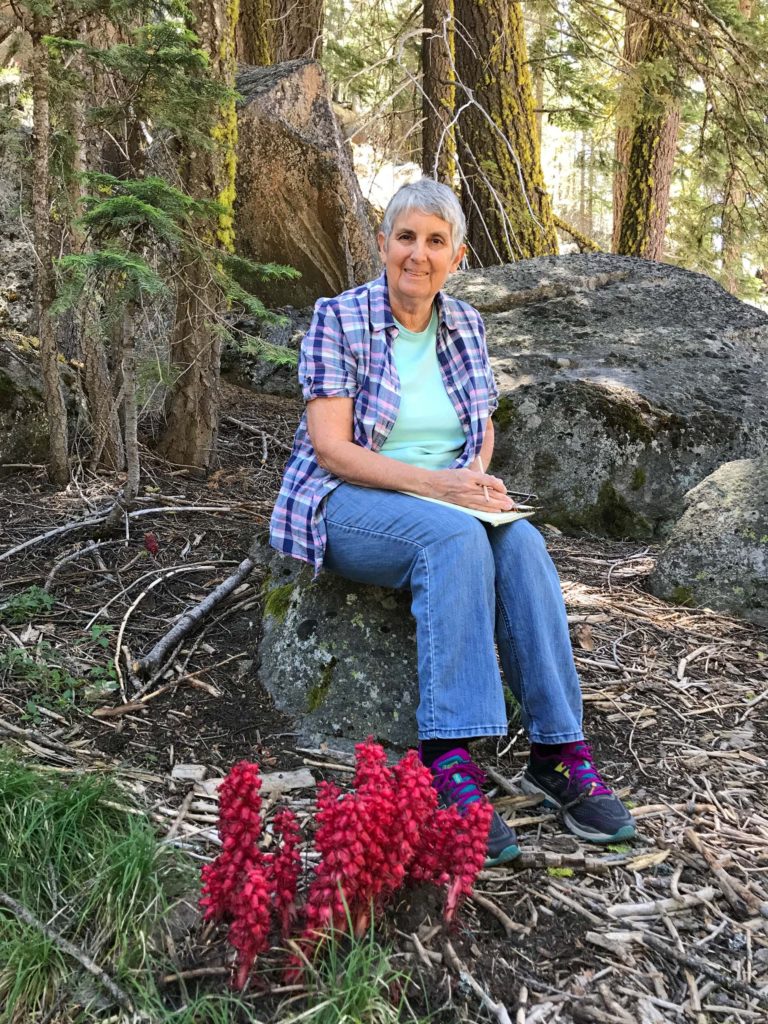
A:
[427,431]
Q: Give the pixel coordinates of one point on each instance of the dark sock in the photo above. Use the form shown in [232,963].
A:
[546,749]
[430,750]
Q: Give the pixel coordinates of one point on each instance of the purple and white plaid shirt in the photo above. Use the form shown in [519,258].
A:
[347,352]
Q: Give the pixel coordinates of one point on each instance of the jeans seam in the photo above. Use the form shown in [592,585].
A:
[513,645]
[376,533]
[431,648]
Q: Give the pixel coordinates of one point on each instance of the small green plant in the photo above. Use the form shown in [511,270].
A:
[45,673]
[24,607]
[353,979]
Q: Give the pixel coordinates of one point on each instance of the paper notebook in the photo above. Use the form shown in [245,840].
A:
[493,518]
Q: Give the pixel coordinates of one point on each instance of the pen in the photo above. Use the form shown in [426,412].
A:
[485,489]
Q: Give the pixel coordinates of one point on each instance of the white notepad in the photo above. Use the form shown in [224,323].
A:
[493,518]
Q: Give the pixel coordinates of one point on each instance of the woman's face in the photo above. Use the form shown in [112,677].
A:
[418,257]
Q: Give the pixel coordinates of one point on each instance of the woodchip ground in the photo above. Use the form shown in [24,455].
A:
[672,927]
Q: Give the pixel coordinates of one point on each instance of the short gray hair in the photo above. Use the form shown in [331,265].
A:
[427,196]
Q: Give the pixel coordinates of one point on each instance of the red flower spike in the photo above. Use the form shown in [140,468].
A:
[249,931]
[152,544]
[283,868]
[467,853]
[235,885]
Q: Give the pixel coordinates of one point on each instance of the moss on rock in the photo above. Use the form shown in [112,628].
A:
[278,601]
[319,693]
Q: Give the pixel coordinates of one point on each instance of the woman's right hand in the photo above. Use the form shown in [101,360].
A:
[471,489]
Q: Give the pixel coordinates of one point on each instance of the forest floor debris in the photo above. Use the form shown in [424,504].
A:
[671,927]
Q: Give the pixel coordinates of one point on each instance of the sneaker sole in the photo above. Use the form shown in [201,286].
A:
[507,854]
[625,832]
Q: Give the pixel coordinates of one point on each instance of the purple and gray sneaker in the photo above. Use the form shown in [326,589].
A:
[569,780]
[457,780]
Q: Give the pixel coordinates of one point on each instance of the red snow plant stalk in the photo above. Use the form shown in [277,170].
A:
[387,829]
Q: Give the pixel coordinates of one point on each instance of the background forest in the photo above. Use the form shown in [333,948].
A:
[637,128]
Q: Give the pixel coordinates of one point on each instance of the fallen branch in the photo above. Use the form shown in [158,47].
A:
[190,619]
[160,579]
[498,1010]
[739,905]
[657,908]
[510,927]
[103,517]
[584,243]
[73,556]
[66,946]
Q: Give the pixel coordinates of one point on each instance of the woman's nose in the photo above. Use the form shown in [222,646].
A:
[419,250]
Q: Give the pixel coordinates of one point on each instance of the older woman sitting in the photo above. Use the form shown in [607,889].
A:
[399,395]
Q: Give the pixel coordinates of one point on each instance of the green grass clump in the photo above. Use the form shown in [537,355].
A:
[94,873]
[353,979]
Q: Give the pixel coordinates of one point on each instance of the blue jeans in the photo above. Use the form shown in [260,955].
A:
[470,584]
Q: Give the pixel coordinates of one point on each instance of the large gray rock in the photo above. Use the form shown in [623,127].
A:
[298,200]
[624,383]
[717,554]
[23,426]
[338,657]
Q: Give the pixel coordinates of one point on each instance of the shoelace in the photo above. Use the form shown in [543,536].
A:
[460,781]
[583,777]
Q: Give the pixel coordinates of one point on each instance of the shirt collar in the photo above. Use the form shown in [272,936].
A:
[381,311]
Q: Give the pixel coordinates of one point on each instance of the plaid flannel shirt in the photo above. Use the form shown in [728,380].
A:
[347,352]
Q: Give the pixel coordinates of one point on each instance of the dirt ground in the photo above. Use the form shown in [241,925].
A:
[671,927]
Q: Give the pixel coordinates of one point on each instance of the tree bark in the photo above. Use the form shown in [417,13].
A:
[130,410]
[58,461]
[108,450]
[193,405]
[271,31]
[439,92]
[509,214]
[646,154]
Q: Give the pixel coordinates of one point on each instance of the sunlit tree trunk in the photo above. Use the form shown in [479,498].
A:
[270,31]
[509,214]
[193,405]
[58,462]
[439,91]
[647,139]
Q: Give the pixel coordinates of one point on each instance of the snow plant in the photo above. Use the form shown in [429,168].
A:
[387,830]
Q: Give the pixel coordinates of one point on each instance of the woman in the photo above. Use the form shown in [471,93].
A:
[399,394]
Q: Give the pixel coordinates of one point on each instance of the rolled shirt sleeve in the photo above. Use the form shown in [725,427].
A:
[327,368]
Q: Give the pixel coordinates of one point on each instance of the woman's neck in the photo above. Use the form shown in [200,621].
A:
[414,317]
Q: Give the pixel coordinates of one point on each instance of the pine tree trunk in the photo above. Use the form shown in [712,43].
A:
[271,31]
[108,450]
[646,153]
[193,404]
[130,410]
[439,92]
[509,214]
[58,461]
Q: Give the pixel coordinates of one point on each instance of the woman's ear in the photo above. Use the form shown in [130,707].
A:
[382,243]
[461,252]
